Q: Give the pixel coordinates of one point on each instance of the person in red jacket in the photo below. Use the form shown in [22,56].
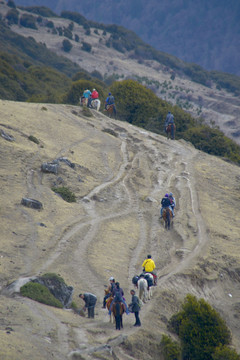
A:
[93,96]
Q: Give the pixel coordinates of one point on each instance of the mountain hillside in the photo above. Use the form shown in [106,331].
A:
[96,50]
[203,32]
[119,176]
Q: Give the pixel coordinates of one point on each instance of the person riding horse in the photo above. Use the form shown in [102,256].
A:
[110,101]
[109,291]
[170,126]
[166,203]
[148,266]
[118,297]
[93,96]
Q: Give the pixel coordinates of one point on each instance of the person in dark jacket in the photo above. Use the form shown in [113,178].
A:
[169,120]
[118,296]
[135,308]
[90,302]
[165,202]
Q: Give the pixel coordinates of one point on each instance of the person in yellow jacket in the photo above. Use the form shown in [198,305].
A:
[148,267]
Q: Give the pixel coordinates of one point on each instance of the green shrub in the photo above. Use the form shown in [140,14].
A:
[171,349]
[12,16]
[225,353]
[86,46]
[65,193]
[200,329]
[11,4]
[33,139]
[28,21]
[77,89]
[40,10]
[39,293]
[66,45]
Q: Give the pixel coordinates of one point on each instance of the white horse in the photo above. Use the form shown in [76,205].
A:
[142,285]
[95,104]
[151,277]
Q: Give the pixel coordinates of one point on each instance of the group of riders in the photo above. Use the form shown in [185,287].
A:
[89,96]
[116,292]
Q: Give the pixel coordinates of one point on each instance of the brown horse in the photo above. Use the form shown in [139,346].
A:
[167,218]
[111,110]
[118,310]
[108,303]
[170,130]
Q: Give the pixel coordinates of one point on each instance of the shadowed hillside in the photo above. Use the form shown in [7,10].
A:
[202,32]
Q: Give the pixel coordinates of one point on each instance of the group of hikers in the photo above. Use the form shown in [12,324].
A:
[116,292]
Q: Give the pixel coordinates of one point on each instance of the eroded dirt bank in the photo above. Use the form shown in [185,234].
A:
[121,173]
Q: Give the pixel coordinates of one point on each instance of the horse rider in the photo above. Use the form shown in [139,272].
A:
[169,120]
[148,266]
[118,297]
[173,202]
[109,291]
[90,302]
[86,95]
[110,101]
[94,96]
[166,203]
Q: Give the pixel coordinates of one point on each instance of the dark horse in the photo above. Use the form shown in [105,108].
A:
[118,310]
[170,130]
[111,110]
[167,218]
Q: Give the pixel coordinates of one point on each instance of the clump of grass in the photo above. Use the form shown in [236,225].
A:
[86,112]
[65,193]
[33,139]
[40,293]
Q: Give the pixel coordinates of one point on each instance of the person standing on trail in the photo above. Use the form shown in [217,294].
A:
[169,120]
[135,307]
[148,267]
[90,302]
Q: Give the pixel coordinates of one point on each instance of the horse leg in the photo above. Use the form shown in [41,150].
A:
[168,220]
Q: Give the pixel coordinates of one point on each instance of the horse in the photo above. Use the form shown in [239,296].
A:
[150,281]
[111,110]
[167,218]
[108,303]
[170,130]
[142,286]
[95,104]
[83,101]
[118,310]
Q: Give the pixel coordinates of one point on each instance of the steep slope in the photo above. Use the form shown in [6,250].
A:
[120,174]
[202,32]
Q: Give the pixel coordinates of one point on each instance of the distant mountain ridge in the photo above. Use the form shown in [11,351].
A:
[203,32]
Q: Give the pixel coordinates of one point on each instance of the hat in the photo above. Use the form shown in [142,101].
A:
[170,194]
[111,278]
[94,89]
[109,93]
[166,195]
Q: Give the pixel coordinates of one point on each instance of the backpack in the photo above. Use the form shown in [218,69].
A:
[165,202]
[118,296]
[111,100]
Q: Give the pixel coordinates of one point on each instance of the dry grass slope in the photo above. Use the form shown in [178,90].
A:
[118,182]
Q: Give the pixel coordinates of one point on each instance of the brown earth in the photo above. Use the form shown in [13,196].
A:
[120,176]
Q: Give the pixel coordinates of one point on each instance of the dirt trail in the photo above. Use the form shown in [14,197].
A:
[112,227]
